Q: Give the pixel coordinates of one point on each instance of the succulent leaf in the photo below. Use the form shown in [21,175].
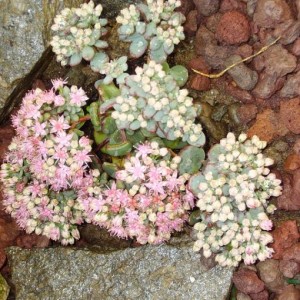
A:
[191,159]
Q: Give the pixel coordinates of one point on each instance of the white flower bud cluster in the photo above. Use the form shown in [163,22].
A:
[115,70]
[152,100]
[129,16]
[161,10]
[77,28]
[232,194]
[157,23]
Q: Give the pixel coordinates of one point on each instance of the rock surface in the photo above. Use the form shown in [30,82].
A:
[285,236]
[24,31]
[233,28]
[254,284]
[150,272]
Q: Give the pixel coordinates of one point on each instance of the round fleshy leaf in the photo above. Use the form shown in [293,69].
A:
[138,47]
[194,182]
[191,160]
[88,53]
[75,59]
[101,44]
[180,74]
[98,61]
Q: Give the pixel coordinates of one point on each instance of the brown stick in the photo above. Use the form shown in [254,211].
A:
[263,49]
[82,119]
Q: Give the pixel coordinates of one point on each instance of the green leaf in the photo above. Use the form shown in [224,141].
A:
[99,137]
[117,149]
[191,160]
[108,91]
[110,169]
[94,113]
[180,74]
[176,144]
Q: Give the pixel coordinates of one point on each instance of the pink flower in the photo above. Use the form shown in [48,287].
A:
[143,150]
[84,141]
[78,97]
[54,233]
[266,225]
[154,174]
[61,154]
[63,139]
[39,129]
[137,170]
[58,83]
[82,157]
[59,125]
[59,100]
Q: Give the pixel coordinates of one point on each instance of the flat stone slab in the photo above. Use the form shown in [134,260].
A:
[144,273]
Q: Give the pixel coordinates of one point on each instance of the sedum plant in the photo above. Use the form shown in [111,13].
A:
[152,203]
[47,164]
[232,192]
[152,101]
[77,34]
[154,26]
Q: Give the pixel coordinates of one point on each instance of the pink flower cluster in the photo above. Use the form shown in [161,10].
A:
[154,204]
[46,165]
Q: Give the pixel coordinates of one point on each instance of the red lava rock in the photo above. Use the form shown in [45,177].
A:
[296,147]
[285,236]
[186,6]
[212,22]
[207,7]
[290,198]
[277,60]
[242,296]
[32,241]
[8,233]
[241,95]
[247,112]
[6,135]
[191,24]
[289,31]
[247,281]
[291,87]
[206,45]
[263,295]
[289,293]
[267,85]
[199,83]
[227,5]
[233,28]
[267,127]
[292,253]
[270,13]
[2,258]
[289,268]
[244,50]
[292,162]
[290,114]
[296,47]
[270,274]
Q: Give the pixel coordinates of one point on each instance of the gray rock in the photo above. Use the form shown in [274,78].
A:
[25,34]
[149,272]
[291,87]
[207,7]
[24,30]
[243,76]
